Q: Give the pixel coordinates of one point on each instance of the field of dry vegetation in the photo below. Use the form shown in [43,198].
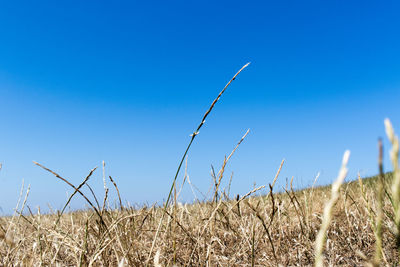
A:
[350,224]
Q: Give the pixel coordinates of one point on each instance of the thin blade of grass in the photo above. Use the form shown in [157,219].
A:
[193,136]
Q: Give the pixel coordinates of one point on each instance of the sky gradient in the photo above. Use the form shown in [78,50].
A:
[128,82]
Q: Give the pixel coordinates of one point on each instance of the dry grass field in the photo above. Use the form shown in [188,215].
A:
[350,224]
[268,230]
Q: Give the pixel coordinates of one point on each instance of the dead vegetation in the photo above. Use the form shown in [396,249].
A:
[277,228]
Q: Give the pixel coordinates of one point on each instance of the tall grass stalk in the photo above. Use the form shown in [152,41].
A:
[379,209]
[327,215]
[222,170]
[394,156]
[193,136]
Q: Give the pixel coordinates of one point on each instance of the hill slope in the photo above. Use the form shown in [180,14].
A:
[266,230]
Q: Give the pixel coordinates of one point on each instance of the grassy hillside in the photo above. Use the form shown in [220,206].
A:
[264,230]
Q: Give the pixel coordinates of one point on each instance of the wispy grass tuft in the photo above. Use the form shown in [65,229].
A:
[327,215]
[394,156]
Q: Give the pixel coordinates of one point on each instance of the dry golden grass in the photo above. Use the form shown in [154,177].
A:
[353,224]
[278,228]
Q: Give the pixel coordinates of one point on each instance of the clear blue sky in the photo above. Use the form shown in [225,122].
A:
[128,81]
